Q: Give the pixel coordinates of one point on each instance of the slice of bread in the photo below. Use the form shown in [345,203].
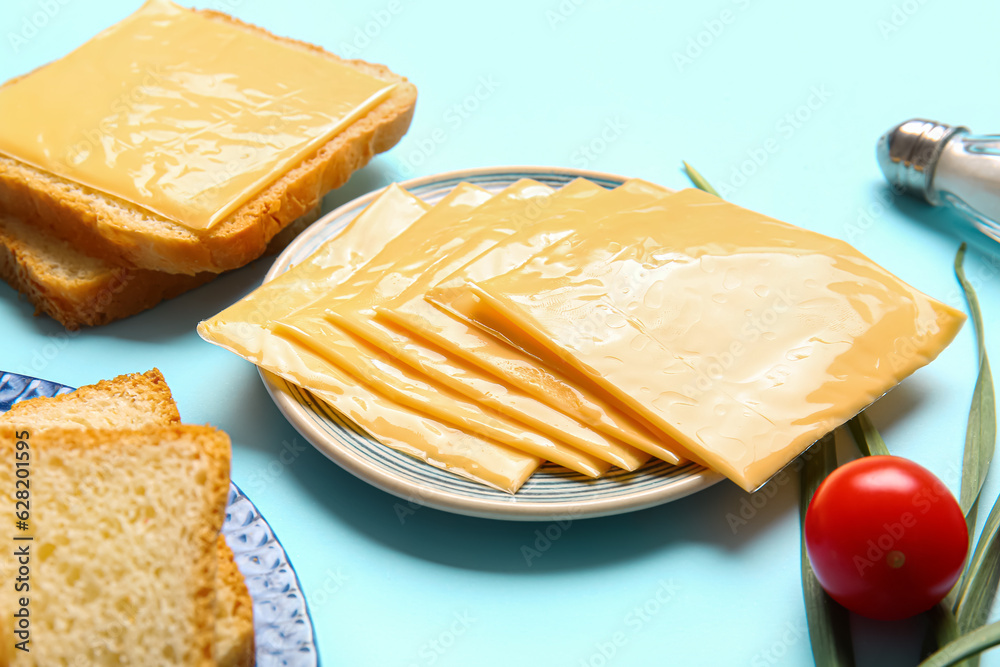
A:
[125,235]
[79,290]
[123,561]
[138,401]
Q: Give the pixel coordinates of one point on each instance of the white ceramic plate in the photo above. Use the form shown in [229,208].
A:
[283,630]
[552,493]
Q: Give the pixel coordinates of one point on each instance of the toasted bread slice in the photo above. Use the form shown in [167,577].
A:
[124,554]
[79,290]
[125,235]
[137,401]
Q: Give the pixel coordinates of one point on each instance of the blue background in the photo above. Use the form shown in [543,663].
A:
[779,105]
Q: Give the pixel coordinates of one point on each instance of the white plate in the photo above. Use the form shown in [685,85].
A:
[283,630]
[552,493]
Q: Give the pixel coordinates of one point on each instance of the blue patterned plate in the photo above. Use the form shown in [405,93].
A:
[283,630]
[552,492]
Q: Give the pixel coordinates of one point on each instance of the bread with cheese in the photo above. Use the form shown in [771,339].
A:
[126,235]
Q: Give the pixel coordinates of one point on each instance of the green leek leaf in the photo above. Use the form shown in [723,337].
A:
[973,643]
[867,436]
[978,587]
[980,436]
[942,631]
[699,180]
[829,623]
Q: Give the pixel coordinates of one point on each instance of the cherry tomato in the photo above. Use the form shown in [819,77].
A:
[885,537]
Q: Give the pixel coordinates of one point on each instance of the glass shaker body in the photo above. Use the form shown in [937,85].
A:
[945,164]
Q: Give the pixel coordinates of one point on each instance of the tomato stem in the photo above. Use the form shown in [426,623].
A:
[895,559]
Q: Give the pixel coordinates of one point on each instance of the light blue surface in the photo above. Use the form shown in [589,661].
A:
[602,89]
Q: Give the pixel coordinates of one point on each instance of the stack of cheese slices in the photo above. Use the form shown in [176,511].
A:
[589,328]
[151,159]
[125,562]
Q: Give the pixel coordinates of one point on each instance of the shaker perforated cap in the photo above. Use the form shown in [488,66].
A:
[907,154]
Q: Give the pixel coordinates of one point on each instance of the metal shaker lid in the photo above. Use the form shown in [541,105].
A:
[908,154]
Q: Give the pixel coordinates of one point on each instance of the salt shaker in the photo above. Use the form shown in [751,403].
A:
[945,164]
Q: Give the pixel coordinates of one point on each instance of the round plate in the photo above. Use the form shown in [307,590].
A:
[552,493]
[283,630]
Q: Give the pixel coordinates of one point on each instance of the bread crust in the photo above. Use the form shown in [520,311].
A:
[237,612]
[150,384]
[125,235]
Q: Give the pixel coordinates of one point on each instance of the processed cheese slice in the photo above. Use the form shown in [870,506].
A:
[437,443]
[413,313]
[407,386]
[490,393]
[513,251]
[744,337]
[452,296]
[399,264]
[180,113]
[244,328]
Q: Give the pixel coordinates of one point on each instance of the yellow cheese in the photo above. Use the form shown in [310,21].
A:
[406,386]
[409,310]
[181,114]
[401,263]
[492,394]
[514,250]
[744,337]
[430,440]
[244,328]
